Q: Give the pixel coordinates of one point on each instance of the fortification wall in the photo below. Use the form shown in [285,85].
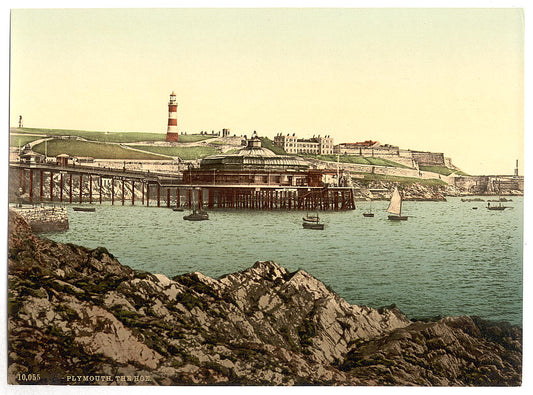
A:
[505,185]
[391,171]
[428,158]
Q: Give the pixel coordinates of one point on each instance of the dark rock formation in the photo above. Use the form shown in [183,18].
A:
[77,316]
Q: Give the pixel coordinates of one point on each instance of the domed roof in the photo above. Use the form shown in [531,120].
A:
[254,156]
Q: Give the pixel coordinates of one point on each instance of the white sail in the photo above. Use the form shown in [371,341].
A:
[395,205]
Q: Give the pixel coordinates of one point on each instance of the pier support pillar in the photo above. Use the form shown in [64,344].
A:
[148,194]
[61,187]
[51,186]
[22,180]
[90,188]
[31,185]
[133,192]
[123,187]
[158,195]
[70,188]
[81,188]
[41,186]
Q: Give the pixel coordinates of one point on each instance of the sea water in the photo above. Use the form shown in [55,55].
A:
[446,259]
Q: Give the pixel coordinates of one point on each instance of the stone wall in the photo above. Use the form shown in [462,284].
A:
[391,171]
[379,151]
[490,185]
[44,219]
[429,158]
[162,166]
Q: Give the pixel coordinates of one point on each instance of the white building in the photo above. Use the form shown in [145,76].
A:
[316,145]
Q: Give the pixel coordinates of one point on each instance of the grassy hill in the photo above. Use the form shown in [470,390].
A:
[113,137]
[186,153]
[91,149]
[445,171]
[20,141]
[368,177]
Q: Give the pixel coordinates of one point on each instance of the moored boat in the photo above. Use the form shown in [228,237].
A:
[499,207]
[313,225]
[310,218]
[312,222]
[87,209]
[196,216]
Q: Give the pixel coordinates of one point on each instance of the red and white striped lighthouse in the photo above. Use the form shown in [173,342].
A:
[172,129]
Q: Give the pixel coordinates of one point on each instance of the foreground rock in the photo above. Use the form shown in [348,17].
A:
[77,316]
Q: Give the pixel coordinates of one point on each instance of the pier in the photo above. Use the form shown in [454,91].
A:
[88,184]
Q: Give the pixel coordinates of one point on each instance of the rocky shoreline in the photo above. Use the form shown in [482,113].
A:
[77,316]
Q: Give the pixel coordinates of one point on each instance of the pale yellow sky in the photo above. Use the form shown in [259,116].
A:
[444,80]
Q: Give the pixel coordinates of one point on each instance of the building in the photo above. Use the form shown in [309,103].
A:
[172,125]
[32,157]
[253,165]
[293,145]
[63,159]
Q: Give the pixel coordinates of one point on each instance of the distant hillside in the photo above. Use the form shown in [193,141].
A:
[105,145]
[112,137]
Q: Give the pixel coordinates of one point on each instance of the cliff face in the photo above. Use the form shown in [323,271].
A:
[77,316]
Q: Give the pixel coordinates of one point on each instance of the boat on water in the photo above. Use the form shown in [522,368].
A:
[369,213]
[197,216]
[312,222]
[310,218]
[313,225]
[499,207]
[395,207]
[87,209]
[177,209]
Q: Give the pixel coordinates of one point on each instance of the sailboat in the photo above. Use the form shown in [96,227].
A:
[395,207]
[310,218]
[312,222]
[369,212]
[499,207]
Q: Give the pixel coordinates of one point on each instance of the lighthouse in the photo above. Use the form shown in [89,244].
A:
[172,128]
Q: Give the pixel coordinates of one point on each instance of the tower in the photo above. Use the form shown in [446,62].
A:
[172,129]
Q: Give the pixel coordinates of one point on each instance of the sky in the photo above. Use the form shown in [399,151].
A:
[437,79]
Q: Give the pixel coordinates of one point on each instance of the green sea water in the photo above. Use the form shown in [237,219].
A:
[447,259]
